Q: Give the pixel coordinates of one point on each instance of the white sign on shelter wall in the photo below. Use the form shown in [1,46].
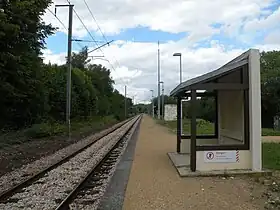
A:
[221,156]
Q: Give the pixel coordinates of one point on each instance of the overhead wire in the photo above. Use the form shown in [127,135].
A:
[80,19]
[95,40]
[57,19]
[99,28]
[62,24]
[95,21]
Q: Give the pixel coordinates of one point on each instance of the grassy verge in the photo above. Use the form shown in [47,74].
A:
[203,127]
[270,151]
[270,132]
[271,155]
[55,129]
[206,127]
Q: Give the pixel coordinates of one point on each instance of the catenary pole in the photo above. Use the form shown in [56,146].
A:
[69,64]
[125,111]
[162,101]
[158,82]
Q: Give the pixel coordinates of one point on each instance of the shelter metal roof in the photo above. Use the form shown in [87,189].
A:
[234,64]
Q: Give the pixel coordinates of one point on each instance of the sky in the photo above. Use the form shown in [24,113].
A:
[207,34]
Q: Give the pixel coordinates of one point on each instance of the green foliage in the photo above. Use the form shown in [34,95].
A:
[270,132]
[80,60]
[79,127]
[270,84]
[167,100]
[22,35]
[140,108]
[205,107]
[206,127]
[92,92]
[271,155]
[34,94]
[203,127]
[43,130]
[92,95]
[38,130]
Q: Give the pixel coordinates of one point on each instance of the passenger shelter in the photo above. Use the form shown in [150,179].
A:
[236,142]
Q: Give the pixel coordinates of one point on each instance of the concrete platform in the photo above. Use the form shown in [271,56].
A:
[182,164]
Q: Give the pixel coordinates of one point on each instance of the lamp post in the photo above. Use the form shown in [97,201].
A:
[162,100]
[152,103]
[180,56]
[158,82]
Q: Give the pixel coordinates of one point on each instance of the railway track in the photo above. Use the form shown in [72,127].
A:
[57,186]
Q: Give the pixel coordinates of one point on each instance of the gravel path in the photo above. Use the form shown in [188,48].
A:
[155,184]
[275,139]
[51,189]
[12,178]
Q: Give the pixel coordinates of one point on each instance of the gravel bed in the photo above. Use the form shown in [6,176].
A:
[101,185]
[15,177]
[50,190]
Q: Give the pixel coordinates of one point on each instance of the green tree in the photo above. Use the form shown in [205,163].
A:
[22,35]
[80,60]
[270,85]
[167,100]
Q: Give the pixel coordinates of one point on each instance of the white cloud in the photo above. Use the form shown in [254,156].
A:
[136,63]
[268,47]
[193,16]
[273,38]
[49,56]
[138,69]
[267,22]
[124,72]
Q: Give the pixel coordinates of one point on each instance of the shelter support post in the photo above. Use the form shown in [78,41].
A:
[193,130]
[179,123]
[245,80]
[255,110]
[217,116]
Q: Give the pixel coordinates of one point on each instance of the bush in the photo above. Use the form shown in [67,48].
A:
[57,128]
[39,131]
[77,125]
[270,132]
[109,120]
[271,155]
[202,122]
[44,130]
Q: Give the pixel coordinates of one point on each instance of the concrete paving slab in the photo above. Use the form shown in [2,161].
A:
[179,160]
[186,172]
[181,163]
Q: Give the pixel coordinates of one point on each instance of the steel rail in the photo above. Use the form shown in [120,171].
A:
[11,191]
[64,205]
